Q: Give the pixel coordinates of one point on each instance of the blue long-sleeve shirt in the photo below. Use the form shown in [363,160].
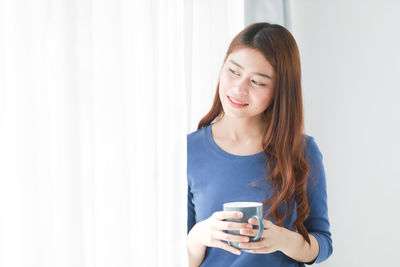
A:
[216,176]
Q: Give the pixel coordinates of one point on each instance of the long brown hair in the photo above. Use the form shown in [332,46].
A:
[283,141]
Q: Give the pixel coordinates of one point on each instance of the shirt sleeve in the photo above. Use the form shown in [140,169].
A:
[191,220]
[317,222]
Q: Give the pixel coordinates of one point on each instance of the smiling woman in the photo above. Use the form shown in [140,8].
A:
[245,82]
[252,135]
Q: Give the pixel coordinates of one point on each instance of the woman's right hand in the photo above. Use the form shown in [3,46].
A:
[211,230]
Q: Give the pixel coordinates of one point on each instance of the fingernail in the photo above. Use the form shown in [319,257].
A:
[249,226]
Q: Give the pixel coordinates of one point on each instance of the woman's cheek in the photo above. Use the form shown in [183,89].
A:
[263,100]
[223,82]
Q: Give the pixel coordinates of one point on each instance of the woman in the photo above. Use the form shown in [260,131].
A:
[252,135]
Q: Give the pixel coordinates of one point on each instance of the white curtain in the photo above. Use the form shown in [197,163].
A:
[96,99]
[215,24]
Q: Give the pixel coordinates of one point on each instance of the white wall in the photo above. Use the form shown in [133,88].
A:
[351,68]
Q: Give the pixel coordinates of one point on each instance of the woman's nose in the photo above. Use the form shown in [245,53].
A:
[242,85]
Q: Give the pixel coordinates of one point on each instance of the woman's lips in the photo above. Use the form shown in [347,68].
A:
[235,104]
[237,100]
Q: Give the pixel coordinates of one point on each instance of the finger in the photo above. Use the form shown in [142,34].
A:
[248,232]
[254,245]
[246,245]
[222,245]
[253,221]
[228,237]
[222,215]
[226,225]
[267,223]
[261,250]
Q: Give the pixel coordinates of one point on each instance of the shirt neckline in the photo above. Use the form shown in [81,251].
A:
[225,154]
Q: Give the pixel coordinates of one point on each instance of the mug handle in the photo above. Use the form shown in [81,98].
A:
[260,228]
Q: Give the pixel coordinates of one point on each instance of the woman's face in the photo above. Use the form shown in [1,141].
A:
[246,77]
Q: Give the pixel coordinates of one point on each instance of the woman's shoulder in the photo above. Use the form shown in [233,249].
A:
[196,135]
[313,150]
[198,146]
[197,139]
[316,175]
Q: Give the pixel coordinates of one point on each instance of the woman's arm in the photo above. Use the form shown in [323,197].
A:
[297,248]
[196,251]
[317,222]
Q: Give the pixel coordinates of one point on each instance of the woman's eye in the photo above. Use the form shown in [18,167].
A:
[256,83]
[234,72]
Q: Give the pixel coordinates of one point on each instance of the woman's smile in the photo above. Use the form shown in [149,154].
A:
[236,105]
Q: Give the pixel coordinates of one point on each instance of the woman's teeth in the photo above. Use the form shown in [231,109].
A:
[243,104]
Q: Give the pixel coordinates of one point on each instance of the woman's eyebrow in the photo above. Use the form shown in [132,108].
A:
[257,73]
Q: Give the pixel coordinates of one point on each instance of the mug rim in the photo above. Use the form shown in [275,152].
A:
[244,204]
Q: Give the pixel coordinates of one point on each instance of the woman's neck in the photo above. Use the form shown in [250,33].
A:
[239,130]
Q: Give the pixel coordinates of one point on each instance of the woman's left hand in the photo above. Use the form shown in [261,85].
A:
[272,239]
